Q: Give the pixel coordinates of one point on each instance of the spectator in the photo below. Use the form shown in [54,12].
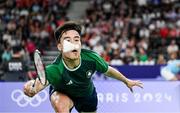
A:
[98,48]
[129,57]
[30,47]
[161,60]
[150,61]
[6,56]
[164,32]
[118,23]
[173,47]
[172,56]
[171,71]
[116,60]
[142,55]
[16,68]
[105,56]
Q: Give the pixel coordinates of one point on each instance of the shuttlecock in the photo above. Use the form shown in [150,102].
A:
[68,46]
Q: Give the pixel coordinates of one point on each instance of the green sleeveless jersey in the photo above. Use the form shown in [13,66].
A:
[76,82]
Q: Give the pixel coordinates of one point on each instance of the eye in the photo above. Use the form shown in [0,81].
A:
[76,40]
[68,40]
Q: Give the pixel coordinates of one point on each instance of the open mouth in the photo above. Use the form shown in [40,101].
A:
[74,50]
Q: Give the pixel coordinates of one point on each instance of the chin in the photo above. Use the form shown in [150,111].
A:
[73,56]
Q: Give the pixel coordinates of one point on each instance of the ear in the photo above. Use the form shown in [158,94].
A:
[59,46]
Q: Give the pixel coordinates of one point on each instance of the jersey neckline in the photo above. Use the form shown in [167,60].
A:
[69,68]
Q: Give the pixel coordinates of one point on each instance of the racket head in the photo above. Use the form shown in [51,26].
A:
[40,68]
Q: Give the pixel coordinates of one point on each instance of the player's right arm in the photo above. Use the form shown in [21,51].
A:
[52,77]
[31,90]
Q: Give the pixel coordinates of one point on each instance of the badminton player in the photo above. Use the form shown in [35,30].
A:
[69,76]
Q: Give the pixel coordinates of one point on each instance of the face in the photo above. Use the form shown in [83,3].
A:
[173,55]
[73,37]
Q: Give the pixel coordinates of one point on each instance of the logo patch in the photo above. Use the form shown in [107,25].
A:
[89,73]
[70,82]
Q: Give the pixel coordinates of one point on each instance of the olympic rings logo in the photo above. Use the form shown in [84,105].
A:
[23,100]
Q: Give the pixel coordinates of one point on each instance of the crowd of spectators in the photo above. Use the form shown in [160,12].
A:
[28,24]
[137,32]
[134,32]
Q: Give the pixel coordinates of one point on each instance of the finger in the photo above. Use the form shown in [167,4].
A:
[28,90]
[31,82]
[33,89]
[30,93]
[131,90]
[139,84]
[25,89]
[25,86]
[138,81]
[25,92]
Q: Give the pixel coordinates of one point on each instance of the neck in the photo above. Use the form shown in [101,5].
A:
[71,63]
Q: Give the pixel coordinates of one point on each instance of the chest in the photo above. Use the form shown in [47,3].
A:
[81,76]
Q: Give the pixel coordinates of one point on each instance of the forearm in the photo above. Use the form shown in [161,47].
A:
[112,72]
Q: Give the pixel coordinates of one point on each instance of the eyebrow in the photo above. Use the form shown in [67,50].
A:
[77,37]
[66,37]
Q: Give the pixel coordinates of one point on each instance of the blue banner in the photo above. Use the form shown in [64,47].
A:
[114,97]
[140,71]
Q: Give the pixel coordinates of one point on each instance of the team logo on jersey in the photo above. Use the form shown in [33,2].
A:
[70,82]
[89,73]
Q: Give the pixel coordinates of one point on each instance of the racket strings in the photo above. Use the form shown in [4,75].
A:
[40,68]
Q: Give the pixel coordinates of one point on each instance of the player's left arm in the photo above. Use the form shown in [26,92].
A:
[112,72]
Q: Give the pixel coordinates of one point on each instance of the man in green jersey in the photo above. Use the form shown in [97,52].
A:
[69,76]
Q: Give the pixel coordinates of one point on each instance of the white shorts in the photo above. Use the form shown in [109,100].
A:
[167,74]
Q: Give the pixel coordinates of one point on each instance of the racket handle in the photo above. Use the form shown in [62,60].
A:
[33,86]
[34,83]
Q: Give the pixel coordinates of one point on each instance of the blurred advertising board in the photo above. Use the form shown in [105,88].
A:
[114,97]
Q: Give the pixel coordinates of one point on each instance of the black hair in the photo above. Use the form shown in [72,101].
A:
[16,49]
[70,25]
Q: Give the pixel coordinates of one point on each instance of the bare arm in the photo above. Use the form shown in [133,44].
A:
[112,72]
[31,90]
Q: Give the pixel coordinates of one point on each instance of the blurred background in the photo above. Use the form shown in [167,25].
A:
[138,37]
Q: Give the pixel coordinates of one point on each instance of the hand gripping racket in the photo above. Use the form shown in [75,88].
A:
[40,69]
